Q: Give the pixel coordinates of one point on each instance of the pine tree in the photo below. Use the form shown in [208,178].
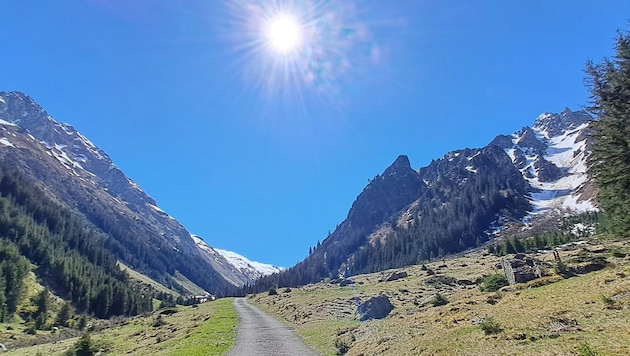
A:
[609,84]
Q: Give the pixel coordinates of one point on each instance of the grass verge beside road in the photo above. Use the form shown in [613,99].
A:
[207,329]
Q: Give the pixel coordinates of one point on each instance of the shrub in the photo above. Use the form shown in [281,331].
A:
[272,291]
[618,253]
[342,347]
[585,350]
[83,347]
[490,326]
[158,321]
[438,300]
[493,283]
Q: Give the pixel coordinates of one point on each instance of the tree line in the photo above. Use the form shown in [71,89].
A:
[67,251]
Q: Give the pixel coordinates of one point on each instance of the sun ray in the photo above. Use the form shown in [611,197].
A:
[300,51]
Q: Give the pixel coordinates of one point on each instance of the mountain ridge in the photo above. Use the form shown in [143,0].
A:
[75,172]
[458,201]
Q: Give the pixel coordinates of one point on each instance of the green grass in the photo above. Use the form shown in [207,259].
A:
[208,329]
[211,338]
[530,315]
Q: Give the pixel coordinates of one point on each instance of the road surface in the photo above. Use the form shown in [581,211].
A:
[260,334]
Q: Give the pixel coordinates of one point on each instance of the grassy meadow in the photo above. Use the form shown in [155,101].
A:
[586,314]
[206,329]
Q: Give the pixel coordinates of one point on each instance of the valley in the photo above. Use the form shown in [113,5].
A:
[553,315]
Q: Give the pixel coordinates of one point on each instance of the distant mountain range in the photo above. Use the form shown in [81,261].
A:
[459,201]
[403,216]
[76,173]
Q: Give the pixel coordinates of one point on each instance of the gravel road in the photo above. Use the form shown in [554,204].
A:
[260,334]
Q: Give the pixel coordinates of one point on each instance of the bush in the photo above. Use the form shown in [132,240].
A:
[618,253]
[83,347]
[490,326]
[158,321]
[272,291]
[585,350]
[438,300]
[342,347]
[493,283]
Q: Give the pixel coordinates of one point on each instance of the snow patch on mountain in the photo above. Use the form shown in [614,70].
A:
[244,264]
[251,270]
[4,141]
[553,161]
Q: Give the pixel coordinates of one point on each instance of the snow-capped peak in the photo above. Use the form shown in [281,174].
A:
[246,269]
[243,263]
[552,157]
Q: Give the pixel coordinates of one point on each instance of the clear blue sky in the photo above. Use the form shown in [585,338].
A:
[263,155]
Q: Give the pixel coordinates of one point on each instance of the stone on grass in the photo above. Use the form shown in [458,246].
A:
[375,308]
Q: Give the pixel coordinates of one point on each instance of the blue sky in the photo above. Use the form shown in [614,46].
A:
[263,153]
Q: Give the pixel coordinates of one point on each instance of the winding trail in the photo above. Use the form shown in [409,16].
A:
[260,334]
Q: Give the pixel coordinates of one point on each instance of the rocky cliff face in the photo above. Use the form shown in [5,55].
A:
[80,175]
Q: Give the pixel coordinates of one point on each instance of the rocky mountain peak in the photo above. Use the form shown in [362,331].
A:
[401,165]
[556,124]
[386,194]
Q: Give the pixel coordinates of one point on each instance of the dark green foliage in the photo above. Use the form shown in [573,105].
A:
[490,326]
[272,291]
[341,346]
[65,314]
[618,253]
[13,269]
[539,241]
[493,283]
[83,347]
[585,350]
[67,251]
[41,301]
[609,83]
[438,300]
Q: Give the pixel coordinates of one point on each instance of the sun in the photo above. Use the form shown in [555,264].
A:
[301,51]
[283,34]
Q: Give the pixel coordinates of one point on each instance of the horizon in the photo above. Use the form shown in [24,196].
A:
[262,154]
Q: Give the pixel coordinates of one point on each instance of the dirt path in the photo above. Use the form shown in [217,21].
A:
[260,334]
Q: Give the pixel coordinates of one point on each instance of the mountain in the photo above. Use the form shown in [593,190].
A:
[74,172]
[551,155]
[459,201]
[244,270]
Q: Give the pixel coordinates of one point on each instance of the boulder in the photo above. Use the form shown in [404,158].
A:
[394,276]
[375,308]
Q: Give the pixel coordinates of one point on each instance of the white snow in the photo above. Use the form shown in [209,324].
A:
[2,100]
[239,262]
[4,141]
[471,169]
[243,263]
[565,153]
[58,152]
[473,156]
[568,155]
[156,208]
[134,185]
[90,146]
[3,122]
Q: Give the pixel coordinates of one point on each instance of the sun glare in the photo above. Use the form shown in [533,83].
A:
[284,34]
[301,50]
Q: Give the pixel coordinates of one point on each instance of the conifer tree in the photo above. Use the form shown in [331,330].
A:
[609,83]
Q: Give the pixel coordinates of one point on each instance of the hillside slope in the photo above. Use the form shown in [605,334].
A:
[79,175]
[458,201]
[585,314]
